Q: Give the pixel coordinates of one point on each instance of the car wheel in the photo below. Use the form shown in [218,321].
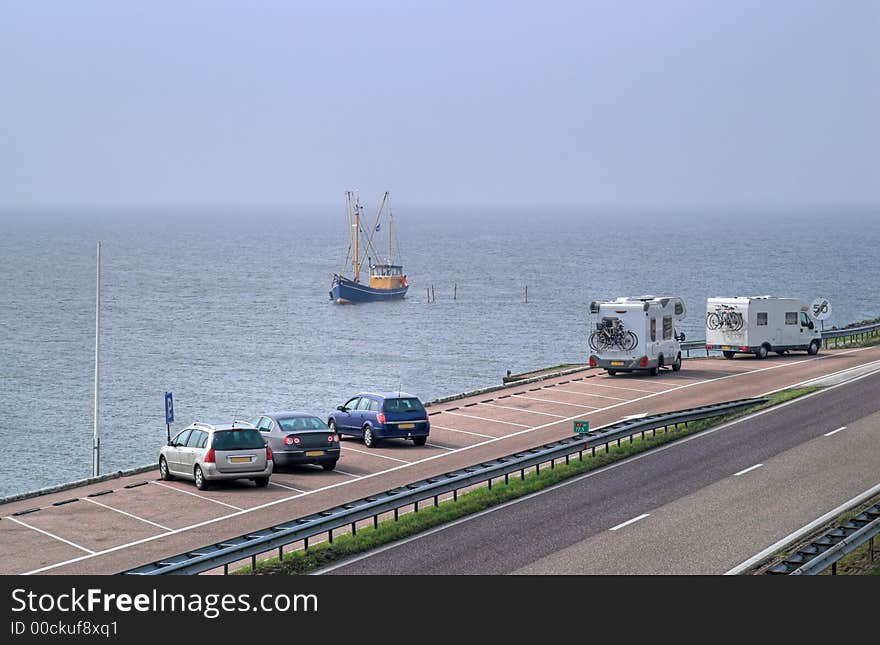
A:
[762,352]
[654,371]
[199,476]
[164,473]
[728,354]
[370,440]
[328,465]
[813,349]
[611,372]
[677,364]
[261,482]
[420,441]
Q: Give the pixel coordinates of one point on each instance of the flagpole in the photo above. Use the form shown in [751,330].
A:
[96,440]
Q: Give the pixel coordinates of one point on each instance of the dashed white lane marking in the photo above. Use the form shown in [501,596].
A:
[620,387]
[436,445]
[475,434]
[598,396]
[376,454]
[510,407]
[745,470]
[52,535]
[471,416]
[89,499]
[828,434]
[628,522]
[489,440]
[573,405]
[298,490]
[186,492]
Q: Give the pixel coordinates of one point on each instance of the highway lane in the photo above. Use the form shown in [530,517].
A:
[702,505]
[143,520]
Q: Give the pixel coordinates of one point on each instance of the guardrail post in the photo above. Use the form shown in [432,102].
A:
[537,469]
[254,562]
[225,569]
[281,553]
[606,448]
[871,545]
[396,514]
[833,568]
[455,495]
[436,500]
[580,455]
[416,506]
[552,464]
[330,536]
[375,521]
[354,529]
[566,460]
[506,478]
[305,544]
[522,473]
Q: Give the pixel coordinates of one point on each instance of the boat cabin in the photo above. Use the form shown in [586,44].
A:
[387,276]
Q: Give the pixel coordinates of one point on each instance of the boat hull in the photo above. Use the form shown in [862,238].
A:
[349,291]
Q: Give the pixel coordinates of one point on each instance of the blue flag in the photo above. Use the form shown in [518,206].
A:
[377,226]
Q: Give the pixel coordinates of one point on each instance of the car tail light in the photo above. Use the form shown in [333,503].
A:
[593,361]
[643,361]
[268,454]
[708,347]
[743,349]
[332,438]
[292,440]
[380,418]
[209,457]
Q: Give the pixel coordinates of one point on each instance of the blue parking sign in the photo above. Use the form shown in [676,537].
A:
[169,408]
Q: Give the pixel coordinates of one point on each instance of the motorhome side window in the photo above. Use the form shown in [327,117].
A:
[762,319]
[791,318]
[667,327]
[653,329]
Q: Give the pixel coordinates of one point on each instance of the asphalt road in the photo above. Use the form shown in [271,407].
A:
[117,525]
[699,506]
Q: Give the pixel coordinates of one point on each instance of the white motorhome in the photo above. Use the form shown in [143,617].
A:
[637,334]
[759,325]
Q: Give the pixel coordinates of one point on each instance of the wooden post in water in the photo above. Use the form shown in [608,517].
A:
[455,291]
[429,294]
[527,293]
[433,296]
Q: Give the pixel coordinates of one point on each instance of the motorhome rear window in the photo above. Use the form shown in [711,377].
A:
[667,327]
[791,318]
[762,319]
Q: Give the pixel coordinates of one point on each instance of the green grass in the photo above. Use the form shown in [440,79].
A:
[473,501]
[848,343]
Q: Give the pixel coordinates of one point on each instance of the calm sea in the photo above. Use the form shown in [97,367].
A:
[231,311]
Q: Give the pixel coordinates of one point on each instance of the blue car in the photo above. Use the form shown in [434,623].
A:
[382,416]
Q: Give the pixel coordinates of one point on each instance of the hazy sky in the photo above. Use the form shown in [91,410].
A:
[663,103]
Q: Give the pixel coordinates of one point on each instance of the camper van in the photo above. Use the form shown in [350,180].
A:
[633,334]
[759,325]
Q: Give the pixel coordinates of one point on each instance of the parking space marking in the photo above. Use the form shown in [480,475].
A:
[601,396]
[489,440]
[471,416]
[52,535]
[476,434]
[435,445]
[745,470]
[620,387]
[187,492]
[286,486]
[828,434]
[376,454]
[574,405]
[508,407]
[342,472]
[110,508]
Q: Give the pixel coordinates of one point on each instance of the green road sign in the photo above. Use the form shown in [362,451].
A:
[581,426]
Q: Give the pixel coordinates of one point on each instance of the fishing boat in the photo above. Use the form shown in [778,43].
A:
[386,279]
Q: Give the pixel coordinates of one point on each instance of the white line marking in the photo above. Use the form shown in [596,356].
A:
[510,407]
[620,387]
[599,396]
[471,416]
[52,535]
[298,490]
[376,454]
[435,445]
[343,472]
[573,405]
[628,522]
[475,434]
[743,472]
[490,440]
[796,535]
[828,434]
[208,499]
[89,499]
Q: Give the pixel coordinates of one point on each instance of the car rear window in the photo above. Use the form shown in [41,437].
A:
[302,423]
[239,439]
[402,405]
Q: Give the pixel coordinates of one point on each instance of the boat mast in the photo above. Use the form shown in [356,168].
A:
[356,233]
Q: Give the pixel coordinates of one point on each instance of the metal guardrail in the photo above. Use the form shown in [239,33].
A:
[825,551]
[861,333]
[347,515]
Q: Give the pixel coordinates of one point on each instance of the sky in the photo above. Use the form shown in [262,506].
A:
[220,104]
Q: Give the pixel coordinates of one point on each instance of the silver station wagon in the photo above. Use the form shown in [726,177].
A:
[204,452]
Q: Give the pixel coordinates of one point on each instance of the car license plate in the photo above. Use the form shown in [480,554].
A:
[726,347]
[406,426]
[314,453]
[239,460]
[615,363]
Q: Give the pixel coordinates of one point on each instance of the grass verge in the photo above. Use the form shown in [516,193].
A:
[849,343]
[473,501]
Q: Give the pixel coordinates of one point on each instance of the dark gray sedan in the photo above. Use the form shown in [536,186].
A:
[298,438]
